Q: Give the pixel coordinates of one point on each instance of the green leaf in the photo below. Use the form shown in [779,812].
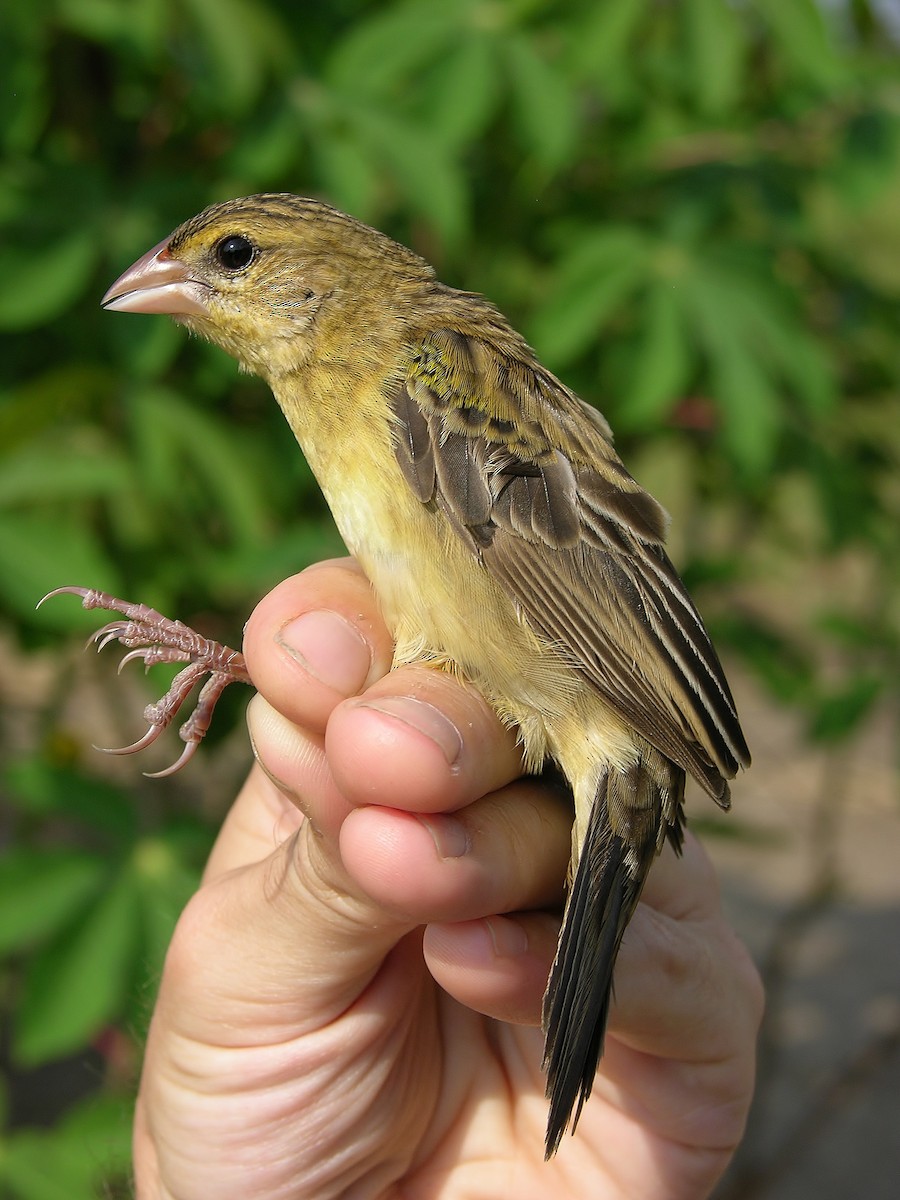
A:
[35,1166]
[838,715]
[54,469]
[241,39]
[424,170]
[746,396]
[716,46]
[803,37]
[462,92]
[26,98]
[40,890]
[602,43]
[165,884]
[774,332]
[350,174]
[379,53]
[775,660]
[38,788]
[40,284]
[103,20]
[544,104]
[663,362]
[78,984]
[271,148]
[750,407]
[40,552]
[592,282]
[79,1159]
[172,435]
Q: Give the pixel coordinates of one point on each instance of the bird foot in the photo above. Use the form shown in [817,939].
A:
[150,636]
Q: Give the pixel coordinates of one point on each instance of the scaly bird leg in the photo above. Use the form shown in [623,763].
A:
[150,636]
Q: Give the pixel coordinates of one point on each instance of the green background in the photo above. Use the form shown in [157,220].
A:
[690,209]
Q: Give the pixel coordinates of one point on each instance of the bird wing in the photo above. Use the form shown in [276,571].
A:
[526,474]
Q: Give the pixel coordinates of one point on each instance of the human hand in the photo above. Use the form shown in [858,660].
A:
[344,1008]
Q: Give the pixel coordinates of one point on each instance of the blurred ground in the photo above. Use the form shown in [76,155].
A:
[814,890]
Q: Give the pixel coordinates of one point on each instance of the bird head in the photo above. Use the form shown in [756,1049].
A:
[272,279]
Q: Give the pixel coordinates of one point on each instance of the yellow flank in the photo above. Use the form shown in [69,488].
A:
[439,602]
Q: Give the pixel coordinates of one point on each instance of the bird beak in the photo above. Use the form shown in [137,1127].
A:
[158,283]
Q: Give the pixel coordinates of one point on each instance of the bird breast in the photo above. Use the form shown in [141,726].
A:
[441,604]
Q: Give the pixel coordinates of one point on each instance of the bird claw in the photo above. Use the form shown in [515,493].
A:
[150,636]
[135,748]
[183,759]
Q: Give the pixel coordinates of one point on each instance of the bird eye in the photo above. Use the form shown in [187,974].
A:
[235,252]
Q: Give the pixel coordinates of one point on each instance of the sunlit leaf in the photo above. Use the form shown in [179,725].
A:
[717,44]
[379,52]
[462,92]
[39,552]
[425,172]
[38,284]
[544,103]
[744,390]
[804,39]
[40,890]
[838,715]
[78,984]
[591,283]
[663,360]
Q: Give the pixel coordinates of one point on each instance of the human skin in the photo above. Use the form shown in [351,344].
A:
[351,1001]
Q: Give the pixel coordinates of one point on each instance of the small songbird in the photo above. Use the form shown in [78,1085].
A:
[502,535]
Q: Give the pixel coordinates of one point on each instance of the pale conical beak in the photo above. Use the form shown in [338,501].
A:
[158,283]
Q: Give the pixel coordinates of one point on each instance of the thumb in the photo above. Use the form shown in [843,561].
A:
[279,945]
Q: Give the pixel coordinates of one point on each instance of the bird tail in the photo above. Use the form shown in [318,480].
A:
[646,806]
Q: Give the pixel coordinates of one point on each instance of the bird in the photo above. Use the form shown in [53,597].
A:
[503,537]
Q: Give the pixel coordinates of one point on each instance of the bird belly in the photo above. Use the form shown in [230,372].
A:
[444,608]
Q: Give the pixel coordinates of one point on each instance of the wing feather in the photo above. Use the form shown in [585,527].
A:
[576,543]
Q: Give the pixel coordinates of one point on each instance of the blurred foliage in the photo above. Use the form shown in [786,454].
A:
[690,208]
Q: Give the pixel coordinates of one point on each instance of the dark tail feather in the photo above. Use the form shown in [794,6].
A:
[607,885]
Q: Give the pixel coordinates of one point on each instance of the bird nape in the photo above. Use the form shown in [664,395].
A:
[502,536]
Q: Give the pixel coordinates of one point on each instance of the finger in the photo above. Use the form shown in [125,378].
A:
[313,640]
[497,966]
[341,927]
[419,740]
[503,853]
[389,871]
[294,761]
[683,886]
[680,966]
[316,639]
[260,819]
[298,774]
[273,949]
[686,987]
